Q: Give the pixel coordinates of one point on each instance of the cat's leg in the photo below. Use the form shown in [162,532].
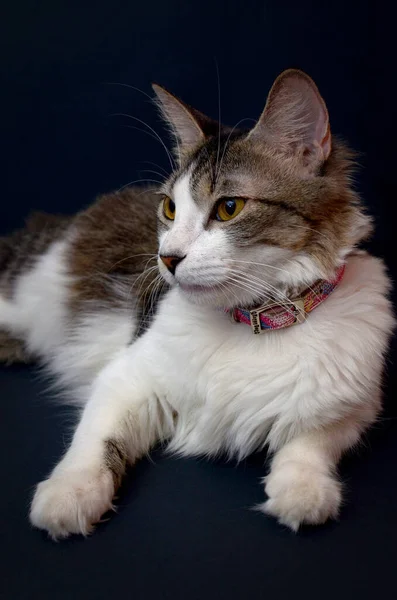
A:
[303,486]
[120,423]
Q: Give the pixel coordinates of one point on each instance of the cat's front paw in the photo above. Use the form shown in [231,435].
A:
[300,493]
[72,501]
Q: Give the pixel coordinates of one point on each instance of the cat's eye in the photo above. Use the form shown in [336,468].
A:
[228,208]
[169,208]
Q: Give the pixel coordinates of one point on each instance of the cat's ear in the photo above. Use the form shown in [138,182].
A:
[295,118]
[189,126]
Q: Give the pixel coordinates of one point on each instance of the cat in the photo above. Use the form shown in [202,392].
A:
[270,330]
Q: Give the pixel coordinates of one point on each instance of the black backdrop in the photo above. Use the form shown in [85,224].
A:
[62,62]
[184,530]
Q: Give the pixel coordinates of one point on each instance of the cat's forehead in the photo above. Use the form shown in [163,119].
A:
[228,166]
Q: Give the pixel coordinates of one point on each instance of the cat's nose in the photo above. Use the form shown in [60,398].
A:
[171,262]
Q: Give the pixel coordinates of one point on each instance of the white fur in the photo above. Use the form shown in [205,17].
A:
[37,310]
[74,351]
[74,500]
[211,257]
[205,383]
[91,343]
[235,391]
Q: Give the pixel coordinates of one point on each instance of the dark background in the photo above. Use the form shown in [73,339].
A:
[184,529]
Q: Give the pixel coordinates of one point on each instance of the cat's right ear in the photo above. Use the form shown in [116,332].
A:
[295,119]
[189,126]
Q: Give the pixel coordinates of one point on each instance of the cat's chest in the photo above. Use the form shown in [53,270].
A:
[220,378]
[232,389]
[205,355]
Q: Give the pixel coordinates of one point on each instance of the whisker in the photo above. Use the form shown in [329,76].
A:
[138,181]
[146,190]
[261,282]
[149,162]
[153,256]
[286,302]
[152,171]
[243,284]
[270,267]
[278,269]
[275,294]
[250,262]
[286,308]
[131,87]
[224,289]
[226,144]
[266,284]
[150,129]
[155,289]
[140,130]
[219,120]
[153,266]
[224,286]
[144,275]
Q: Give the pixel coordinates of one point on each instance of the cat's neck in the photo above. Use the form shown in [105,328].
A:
[301,275]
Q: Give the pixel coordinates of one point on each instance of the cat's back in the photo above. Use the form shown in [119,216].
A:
[20,249]
[68,285]
[111,237]
[115,238]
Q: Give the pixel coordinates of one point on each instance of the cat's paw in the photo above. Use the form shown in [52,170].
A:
[72,501]
[300,493]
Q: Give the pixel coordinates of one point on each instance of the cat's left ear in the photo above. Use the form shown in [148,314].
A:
[189,126]
[295,119]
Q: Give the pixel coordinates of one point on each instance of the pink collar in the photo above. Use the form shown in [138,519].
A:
[276,316]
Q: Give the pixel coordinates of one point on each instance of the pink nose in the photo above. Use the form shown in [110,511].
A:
[171,262]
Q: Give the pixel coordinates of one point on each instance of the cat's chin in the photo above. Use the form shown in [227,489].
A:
[215,296]
[212,295]
[192,288]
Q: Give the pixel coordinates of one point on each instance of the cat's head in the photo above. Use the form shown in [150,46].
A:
[248,215]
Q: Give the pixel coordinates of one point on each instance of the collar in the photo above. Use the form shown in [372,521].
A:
[276,316]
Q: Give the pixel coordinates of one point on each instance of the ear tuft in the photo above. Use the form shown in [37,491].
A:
[295,118]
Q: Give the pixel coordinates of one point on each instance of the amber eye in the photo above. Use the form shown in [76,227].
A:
[228,208]
[169,208]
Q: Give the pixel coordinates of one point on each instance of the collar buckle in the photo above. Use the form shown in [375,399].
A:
[297,310]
